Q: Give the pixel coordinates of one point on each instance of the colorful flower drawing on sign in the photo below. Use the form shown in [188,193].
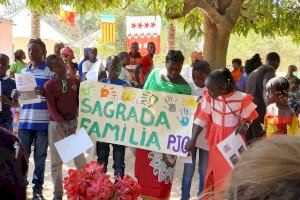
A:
[171,104]
[163,166]
[190,102]
[184,119]
[128,96]
[88,92]
[105,91]
[149,98]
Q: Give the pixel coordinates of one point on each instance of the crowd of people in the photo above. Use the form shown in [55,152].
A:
[251,101]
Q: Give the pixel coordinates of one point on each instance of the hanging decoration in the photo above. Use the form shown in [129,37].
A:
[143,30]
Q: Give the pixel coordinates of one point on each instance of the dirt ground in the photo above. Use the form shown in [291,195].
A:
[48,186]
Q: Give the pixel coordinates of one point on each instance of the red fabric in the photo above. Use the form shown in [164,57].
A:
[147,64]
[62,106]
[218,169]
[148,181]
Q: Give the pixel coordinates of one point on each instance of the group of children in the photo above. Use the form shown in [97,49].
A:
[222,110]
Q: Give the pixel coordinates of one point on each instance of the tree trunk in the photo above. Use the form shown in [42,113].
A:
[216,40]
[35,25]
[171,36]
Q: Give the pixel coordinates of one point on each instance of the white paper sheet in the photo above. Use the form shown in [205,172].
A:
[25,85]
[73,145]
[0,95]
[231,148]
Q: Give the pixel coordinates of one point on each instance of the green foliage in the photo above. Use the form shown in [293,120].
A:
[270,18]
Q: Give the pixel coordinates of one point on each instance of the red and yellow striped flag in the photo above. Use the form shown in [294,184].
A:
[107,25]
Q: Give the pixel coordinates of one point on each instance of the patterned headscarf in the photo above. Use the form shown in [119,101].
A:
[67,52]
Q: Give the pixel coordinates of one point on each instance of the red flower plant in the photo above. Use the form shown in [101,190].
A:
[127,189]
[91,183]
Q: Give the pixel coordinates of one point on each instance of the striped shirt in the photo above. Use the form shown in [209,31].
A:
[36,116]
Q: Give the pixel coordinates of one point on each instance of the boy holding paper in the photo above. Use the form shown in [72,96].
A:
[63,102]
[7,86]
[34,117]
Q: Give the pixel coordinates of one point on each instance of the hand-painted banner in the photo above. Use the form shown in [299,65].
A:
[155,121]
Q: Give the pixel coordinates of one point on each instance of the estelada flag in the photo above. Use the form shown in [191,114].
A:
[143,30]
[107,26]
[67,17]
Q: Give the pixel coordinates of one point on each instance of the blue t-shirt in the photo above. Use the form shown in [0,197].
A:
[7,86]
[36,116]
[117,82]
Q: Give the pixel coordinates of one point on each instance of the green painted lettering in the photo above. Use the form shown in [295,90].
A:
[83,123]
[121,111]
[85,105]
[123,133]
[153,139]
[95,130]
[162,120]
[115,128]
[142,142]
[111,112]
[97,108]
[147,117]
[132,114]
[131,139]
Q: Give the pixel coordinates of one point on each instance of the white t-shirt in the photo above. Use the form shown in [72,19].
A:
[96,67]
[125,75]
[201,141]
[186,73]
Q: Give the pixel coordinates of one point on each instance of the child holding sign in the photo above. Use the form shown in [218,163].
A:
[200,71]
[223,111]
[62,101]
[113,67]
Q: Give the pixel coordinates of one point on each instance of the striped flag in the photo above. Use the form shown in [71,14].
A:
[107,25]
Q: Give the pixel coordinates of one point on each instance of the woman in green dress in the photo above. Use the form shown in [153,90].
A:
[153,170]
[18,64]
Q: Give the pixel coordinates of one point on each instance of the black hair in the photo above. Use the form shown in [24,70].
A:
[280,84]
[18,55]
[123,55]
[175,56]
[112,61]
[238,61]
[4,57]
[202,66]
[252,64]
[51,59]
[93,49]
[59,45]
[273,57]
[222,76]
[150,43]
[39,42]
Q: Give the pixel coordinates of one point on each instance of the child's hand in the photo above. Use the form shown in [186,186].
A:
[4,100]
[39,91]
[190,145]
[15,94]
[242,128]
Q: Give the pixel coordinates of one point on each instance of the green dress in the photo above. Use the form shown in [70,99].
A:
[17,67]
[154,170]
[156,83]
